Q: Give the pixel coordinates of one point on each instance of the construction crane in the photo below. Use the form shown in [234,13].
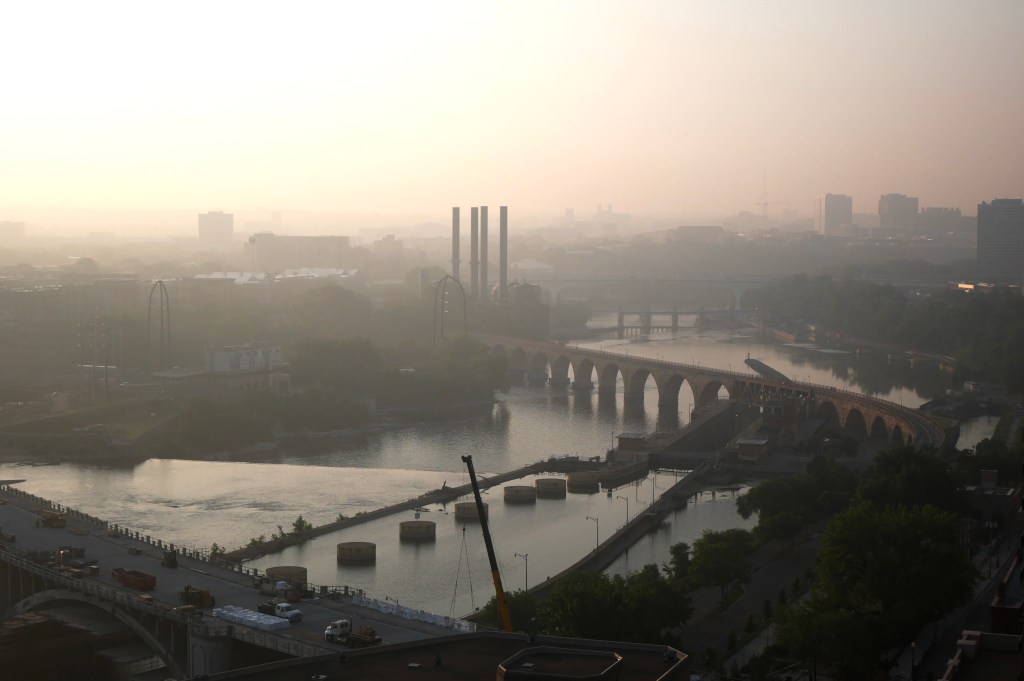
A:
[499,592]
[764,209]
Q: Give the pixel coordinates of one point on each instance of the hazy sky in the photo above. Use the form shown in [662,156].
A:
[402,107]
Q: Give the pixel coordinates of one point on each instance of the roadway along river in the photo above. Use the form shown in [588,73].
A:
[197,503]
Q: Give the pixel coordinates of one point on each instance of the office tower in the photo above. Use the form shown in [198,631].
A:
[833,211]
[1001,241]
[897,211]
[216,226]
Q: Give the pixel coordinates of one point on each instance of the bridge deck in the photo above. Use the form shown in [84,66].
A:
[229,587]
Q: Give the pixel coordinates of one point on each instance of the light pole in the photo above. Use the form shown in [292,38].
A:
[913,659]
[526,575]
[597,531]
[626,499]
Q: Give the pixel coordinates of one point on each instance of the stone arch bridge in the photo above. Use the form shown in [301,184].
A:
[538,362]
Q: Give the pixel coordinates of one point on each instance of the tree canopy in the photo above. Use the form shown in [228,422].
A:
[721,558]
[882,573]
[908,476]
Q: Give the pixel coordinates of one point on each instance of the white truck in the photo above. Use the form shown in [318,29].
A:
[283,610]
[337,630]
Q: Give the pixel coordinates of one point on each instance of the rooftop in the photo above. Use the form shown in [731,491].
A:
[479,655]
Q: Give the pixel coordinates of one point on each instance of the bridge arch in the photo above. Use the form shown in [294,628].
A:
[538,371]
[583,374]
[634,385]
[709,393]
[560,370]
[518,363]
[671,386]
[827,412]
[608,377]
[897,438]
[879,429]
[855,423]
[42,598]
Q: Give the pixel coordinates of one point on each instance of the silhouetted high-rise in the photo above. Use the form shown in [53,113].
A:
[216,226]
[897,211]
[1001,240]
[833,211]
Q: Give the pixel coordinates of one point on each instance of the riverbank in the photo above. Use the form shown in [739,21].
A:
[98,444]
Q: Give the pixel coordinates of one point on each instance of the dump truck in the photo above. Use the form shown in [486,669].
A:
[365,637]
[285,611]
[48,518]
[200,598]
[134,579]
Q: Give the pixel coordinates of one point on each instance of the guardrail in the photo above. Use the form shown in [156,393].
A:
[131,601]
[202,555]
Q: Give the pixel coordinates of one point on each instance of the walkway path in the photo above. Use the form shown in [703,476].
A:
[774,571]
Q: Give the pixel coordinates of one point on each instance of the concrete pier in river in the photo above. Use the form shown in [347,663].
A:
[439,496]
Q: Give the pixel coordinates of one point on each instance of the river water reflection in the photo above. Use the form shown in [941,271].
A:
[197,503]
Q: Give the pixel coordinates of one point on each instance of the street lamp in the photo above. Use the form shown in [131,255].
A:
[597,531]
[626,499]
[526,576]
[913,659]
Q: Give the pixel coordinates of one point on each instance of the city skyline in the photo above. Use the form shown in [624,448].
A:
[402,109]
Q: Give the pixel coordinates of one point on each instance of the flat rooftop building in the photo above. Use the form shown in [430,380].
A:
[485,655]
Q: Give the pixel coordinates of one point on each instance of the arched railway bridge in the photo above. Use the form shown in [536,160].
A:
[539,362]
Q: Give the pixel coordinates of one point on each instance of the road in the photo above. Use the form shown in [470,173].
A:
[18,518]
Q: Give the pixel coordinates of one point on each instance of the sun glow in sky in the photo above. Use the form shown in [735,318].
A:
[671,107]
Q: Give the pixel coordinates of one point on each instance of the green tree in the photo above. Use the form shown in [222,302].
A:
[721,558]
[300,525]
[582,605]
[522,610]
[781,527]
[909,476]
[677,570]
[881,575]
[349,367]
[991,454]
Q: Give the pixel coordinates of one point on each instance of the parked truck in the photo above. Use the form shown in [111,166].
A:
[283,610]
[279,588]
[134,579]
[48,518]
[200,598]
[365,637]
[337,630]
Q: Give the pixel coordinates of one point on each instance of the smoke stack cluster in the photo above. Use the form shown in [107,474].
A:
[478,258]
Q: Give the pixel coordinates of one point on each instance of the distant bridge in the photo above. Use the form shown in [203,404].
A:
[647,290]
[539,362]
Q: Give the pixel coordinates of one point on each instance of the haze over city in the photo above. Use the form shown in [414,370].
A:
[136,117]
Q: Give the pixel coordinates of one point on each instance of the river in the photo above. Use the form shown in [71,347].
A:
[196,503]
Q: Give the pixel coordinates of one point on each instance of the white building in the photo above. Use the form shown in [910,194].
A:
[250,365]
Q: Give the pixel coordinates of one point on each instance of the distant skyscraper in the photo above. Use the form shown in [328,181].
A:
[269,252]
[896,211]
[216,226]
[1001,241]
[833,211]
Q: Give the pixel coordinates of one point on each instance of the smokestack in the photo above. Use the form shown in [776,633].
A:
[484,290]
[503,253]
[474,257]
[456,238]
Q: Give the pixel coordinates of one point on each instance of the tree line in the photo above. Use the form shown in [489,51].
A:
[892,559]
[982,331]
